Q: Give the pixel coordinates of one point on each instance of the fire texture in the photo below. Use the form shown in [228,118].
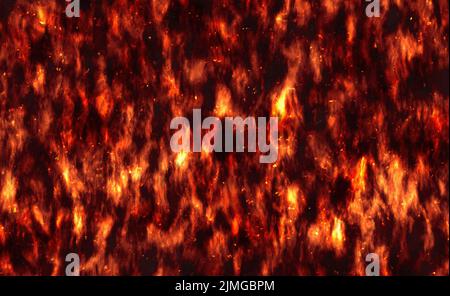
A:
[86,165]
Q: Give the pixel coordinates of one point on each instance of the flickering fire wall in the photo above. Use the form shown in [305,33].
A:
[85,159]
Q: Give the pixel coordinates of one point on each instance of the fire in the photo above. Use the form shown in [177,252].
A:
[2,234]
[362,155]
[78,220]
[223,102]
[41,16]
[181,158]
[8,193]
[337,234]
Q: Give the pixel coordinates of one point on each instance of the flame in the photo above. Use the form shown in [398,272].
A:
[181,158]
[8,193]
[86,164]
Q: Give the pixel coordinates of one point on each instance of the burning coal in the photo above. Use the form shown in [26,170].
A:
[363,137]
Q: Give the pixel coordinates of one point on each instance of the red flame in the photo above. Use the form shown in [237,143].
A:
[86,166]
